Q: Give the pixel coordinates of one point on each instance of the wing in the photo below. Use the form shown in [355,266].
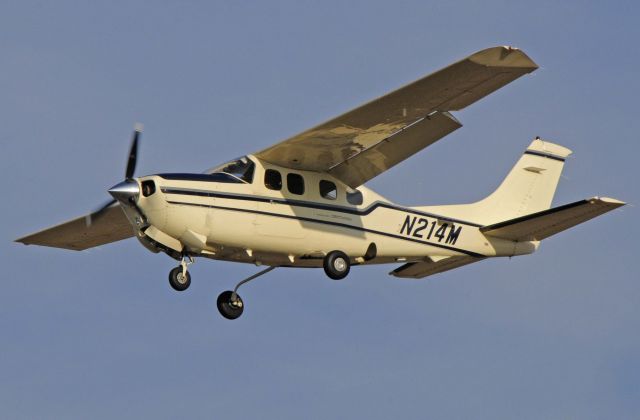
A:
[541,225]
[77,234]
[370,139]
[418,270]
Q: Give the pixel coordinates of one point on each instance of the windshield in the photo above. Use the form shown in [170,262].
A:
[241,168]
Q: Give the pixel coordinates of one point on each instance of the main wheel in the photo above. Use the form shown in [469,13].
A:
[230,309]
[178,281]
[336,265]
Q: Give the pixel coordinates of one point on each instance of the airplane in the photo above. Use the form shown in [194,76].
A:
[302,202]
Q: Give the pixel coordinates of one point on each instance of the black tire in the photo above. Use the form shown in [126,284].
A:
[177,281]
[228,309]
[336,265]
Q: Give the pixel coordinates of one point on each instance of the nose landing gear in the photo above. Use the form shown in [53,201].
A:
[230,307]
[229,302]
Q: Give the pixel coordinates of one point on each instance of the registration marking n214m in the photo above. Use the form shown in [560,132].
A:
[423,228]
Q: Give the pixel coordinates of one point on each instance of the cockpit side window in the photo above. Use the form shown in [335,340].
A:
[242,168]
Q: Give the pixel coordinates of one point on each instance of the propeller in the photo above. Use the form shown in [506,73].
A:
[133,152]
[128,187]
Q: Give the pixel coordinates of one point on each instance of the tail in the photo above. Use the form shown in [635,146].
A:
[531,184]
[520,208]
[528,188]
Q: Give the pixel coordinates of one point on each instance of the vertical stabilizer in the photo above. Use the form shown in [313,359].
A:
[528,188]
[532,182]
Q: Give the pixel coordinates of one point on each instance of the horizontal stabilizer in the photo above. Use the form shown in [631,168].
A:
[418,270]
[541,225]
[78,234]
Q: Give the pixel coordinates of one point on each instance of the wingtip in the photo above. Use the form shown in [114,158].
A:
[613,202]
[504,56]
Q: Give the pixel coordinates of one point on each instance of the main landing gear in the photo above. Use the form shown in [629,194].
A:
[179,277]
[336,265]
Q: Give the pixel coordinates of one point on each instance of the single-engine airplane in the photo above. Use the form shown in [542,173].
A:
[303,203]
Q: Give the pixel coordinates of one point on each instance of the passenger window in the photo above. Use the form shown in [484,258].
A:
[354,197]
[328,190]
[295,183]
[273,180]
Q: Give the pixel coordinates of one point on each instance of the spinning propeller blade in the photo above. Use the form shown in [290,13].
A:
[95,215]
[133,152]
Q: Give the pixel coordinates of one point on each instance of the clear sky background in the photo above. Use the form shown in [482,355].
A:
[100,334]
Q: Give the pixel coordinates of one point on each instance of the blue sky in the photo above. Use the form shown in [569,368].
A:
[100,334]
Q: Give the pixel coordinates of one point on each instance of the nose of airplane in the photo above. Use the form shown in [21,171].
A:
[126,191]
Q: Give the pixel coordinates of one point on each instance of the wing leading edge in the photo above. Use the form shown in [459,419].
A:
[368,140]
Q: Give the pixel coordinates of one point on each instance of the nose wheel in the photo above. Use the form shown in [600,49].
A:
[230,304]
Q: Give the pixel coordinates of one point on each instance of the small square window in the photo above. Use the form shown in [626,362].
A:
[328,190]
[295,183]
[148,188]
[354,197]
[273,180]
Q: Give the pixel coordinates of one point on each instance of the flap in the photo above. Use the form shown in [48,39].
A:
[375,160]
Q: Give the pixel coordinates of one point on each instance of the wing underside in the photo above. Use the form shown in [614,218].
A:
[370,139]
[434,265]
[78,234]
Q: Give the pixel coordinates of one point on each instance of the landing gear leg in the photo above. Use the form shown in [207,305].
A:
[229,302]
[179,277]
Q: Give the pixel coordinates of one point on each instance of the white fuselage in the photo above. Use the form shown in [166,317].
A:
[250,222]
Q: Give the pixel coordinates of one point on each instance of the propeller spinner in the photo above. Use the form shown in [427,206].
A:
[127,189]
